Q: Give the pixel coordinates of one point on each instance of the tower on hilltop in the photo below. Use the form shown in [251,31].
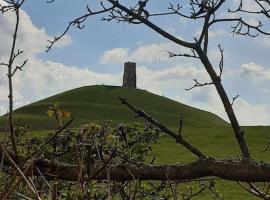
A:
[129,77]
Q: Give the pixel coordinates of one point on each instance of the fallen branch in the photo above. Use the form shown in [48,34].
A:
[235,170]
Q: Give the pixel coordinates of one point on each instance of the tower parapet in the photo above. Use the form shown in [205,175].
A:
[129,77]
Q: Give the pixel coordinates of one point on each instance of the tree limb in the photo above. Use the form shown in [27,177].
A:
[234,170]
[178,137]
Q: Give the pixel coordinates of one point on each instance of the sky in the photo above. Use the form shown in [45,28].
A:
[96,55]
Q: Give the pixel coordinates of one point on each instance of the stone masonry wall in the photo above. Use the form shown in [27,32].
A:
[129,77]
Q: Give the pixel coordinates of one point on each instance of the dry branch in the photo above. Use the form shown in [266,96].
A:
[178,137]
[234,170]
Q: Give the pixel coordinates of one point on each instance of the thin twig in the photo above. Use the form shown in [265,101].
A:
[20,172]
[234,98]
[198,84]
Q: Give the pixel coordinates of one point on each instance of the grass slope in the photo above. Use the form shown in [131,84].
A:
[204,130]
[218,142]
[99,103]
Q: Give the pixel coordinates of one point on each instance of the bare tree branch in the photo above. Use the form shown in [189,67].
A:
[78,23]
[19,67]
[234,98]
[178,137]
[12,6]
[261,3]
[4,64]
[235,170]
[241,27]
[20,173]
[193,55]
[239,134]
[253,189]
[198,84]
[221,62]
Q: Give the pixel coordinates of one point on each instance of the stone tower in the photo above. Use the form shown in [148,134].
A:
[129,77]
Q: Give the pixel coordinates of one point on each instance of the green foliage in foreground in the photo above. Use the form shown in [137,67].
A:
[216,142]
[203,129]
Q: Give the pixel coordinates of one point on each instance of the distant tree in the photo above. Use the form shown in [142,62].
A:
[118,154]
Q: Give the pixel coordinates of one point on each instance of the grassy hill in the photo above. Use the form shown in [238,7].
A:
[204,130]
[99,103]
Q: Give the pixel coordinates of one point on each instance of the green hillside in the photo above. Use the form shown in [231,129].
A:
[204,130]
[99,103]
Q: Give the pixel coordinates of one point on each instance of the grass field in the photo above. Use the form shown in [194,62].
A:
[205,130]
[220,143]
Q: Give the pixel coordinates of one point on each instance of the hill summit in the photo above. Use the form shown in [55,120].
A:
[100,103]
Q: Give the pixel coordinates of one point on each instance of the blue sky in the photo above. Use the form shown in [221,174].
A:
[95,55]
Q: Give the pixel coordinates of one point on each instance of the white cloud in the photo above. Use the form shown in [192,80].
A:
[252,114]
[263,41]
[149,53]
[31,40]
[206,98]
[217,33]
[255,71]
[177,78]
[114,56]
[41,79]
[247,114]
[251,5]
[152,53]
[212,33]
[144,53]
[215,55]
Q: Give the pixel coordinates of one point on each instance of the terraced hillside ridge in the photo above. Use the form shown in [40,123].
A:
[100,103]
